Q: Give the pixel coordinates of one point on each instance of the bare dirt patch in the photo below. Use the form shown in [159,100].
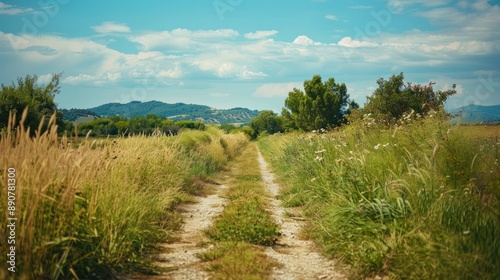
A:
[180,259]
[299,258]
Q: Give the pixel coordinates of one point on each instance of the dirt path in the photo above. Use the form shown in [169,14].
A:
[180,258]
[299,257]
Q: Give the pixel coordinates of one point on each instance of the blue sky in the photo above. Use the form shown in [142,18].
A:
[242,53]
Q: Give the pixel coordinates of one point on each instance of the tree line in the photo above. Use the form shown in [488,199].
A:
[324,105]
[321,105]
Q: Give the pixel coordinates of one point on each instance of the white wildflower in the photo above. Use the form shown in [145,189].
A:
[376,147]
[318,158]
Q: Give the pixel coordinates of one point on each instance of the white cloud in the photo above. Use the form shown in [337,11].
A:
[181,39]
[331,17]
[260,34]
[44,79]
[349,42]
[276,89]
[401,4]
[7,9]
[111,27]
[304,41]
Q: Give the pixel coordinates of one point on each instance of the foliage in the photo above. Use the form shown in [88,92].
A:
[73,114]
[150,124]
[38,99]
[323,104]
[267,121]
[420,200]
[72,219]
[393,98]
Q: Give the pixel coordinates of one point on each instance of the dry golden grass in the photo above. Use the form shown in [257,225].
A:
[94,209]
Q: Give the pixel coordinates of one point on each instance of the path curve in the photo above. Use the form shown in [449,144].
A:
[299,258]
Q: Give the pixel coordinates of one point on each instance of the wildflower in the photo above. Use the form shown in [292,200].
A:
[386,145]
[318,158]
[377,146]
[320,151]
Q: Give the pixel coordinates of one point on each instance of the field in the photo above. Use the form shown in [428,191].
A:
[98,208]
[419,200]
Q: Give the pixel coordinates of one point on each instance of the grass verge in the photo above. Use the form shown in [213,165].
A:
[244,226]
[415,201]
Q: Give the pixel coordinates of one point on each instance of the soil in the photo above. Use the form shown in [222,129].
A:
[179,259]
[299,258]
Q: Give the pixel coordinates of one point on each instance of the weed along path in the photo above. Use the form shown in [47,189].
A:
[299,258]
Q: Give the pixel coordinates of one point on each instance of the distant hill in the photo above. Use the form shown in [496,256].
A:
[75,114]
[477,114]
[177,111]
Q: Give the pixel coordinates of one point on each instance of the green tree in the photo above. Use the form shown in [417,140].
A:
[122,126]
[322,104]
[267,121]
[393,98]
[28,94]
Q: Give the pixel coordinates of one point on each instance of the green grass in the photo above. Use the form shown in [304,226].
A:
[237,260]
[244,226]
[415,201]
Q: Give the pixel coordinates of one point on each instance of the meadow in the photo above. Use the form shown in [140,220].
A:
[415,200]
[95,208]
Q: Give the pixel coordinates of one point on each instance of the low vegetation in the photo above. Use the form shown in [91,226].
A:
[96,208]
[416,200]
[244,227]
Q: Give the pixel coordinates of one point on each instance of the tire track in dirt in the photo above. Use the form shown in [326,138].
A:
[299,258]
[179,258]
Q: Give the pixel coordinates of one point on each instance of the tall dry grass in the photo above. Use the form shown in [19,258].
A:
[96,208]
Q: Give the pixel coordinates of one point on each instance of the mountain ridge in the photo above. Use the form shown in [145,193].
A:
[176,111]
[476,114]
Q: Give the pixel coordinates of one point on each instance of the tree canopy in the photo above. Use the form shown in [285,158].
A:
[267,121]
[393,98]
[38,99]
[322,104]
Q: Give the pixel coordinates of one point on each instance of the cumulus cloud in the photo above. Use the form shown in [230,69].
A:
[111,27]
[303,40]
[349,42]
